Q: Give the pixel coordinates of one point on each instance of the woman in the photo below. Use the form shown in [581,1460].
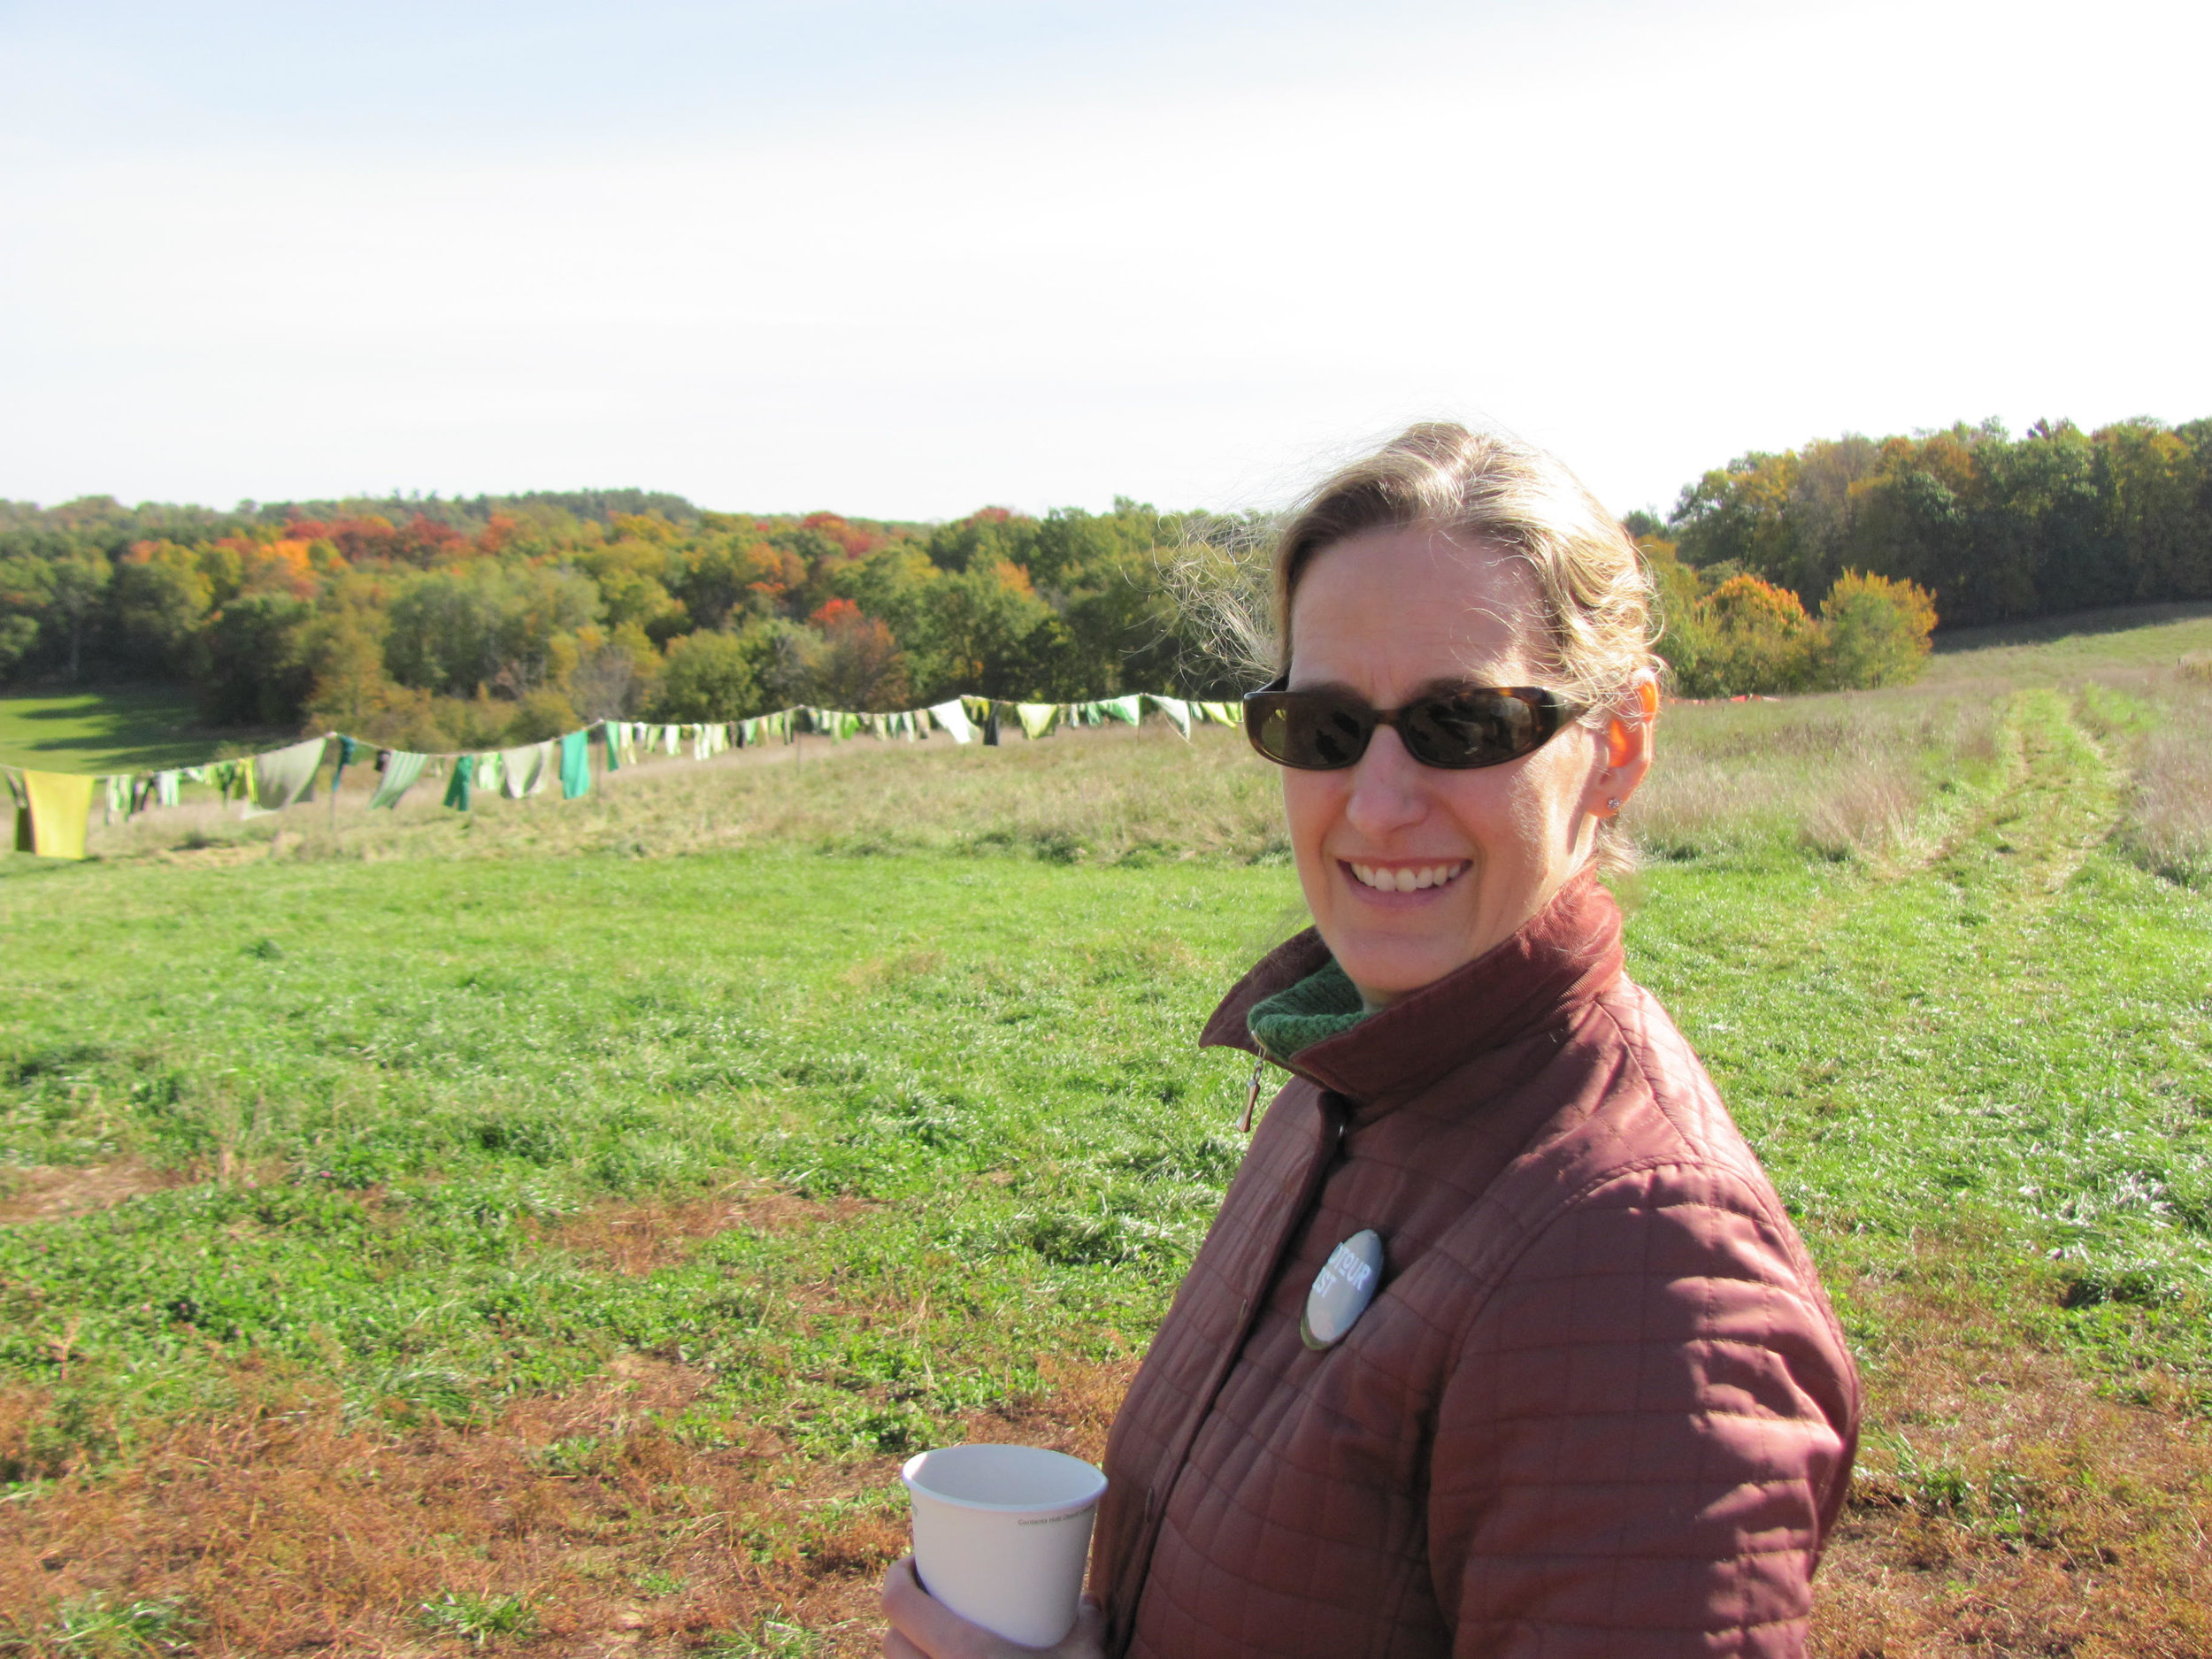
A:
[1501,1343]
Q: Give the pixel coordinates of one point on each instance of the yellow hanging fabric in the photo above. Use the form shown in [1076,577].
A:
[52,823]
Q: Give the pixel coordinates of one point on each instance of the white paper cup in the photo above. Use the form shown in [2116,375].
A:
[1002,1533]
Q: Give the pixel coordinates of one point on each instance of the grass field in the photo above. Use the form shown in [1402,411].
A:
[545,1230]
[120,728]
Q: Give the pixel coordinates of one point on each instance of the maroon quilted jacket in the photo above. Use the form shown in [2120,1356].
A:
[1598,1406]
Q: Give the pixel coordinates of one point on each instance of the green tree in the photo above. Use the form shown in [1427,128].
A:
[77,582]
[24,591]
[258,671]
[709,676]
[1874,632]
[160,604]
[484,624]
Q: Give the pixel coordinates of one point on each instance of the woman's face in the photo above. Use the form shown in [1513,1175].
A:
[1388,616]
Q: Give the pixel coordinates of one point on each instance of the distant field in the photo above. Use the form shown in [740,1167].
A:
[121,728]
[548,1227]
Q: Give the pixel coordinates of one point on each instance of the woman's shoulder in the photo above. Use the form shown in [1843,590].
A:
[1638,1133]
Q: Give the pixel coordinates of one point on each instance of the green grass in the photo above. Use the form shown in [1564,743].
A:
[2049,648]
[419,1060]
[403,1077]
[119,728]
[423,1061]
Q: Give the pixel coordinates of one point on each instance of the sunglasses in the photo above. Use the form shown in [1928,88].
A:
[1478,726]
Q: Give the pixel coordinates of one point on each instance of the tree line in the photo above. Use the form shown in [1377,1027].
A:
[451,625]
[1970,523]
[457,623]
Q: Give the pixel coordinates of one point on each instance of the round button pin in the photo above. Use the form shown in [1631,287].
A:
[1342,1289]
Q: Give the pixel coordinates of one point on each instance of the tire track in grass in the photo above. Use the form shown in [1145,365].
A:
[1980,1082]
[1970,1086]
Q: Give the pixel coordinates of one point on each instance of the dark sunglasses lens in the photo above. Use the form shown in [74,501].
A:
[1314,734]
[1481,729]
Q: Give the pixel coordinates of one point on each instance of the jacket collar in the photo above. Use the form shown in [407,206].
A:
[1563,956]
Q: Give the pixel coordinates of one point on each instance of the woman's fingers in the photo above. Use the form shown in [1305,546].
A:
[1088,1638]
[926,1627]
[923,1627]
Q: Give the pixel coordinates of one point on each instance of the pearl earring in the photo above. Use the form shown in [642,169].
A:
[1615,803]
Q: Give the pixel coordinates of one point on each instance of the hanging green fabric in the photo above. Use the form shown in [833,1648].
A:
[402,769]
[116,802]
[1037,719]
[575,765]
[347,749]
[286,775]
[612,736]
[54,813]
[522,770]
[456,792]
[1128,709]
[167,790]
[488,770]
[1177,710]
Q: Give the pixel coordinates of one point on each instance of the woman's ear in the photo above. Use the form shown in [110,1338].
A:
[1626,738]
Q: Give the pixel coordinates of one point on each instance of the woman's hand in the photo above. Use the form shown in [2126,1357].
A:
[923,1627]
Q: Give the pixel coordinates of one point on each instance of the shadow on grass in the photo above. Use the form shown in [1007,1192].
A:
[115,728]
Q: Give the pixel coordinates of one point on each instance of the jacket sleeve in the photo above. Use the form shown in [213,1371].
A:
[1646,1434]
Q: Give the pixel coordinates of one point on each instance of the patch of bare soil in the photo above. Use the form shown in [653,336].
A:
[47,1192]
[639,1237]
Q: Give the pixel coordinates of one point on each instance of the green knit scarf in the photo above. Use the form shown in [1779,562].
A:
[1321,1005]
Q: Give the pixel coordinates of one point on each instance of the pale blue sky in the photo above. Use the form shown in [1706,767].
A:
[904,260]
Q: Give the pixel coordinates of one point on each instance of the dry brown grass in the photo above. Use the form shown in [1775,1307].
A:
[2003,1507]
[2169,824]
[1103,792]
[43,1192]
[284,1530]
[1854,773]
[636,1238]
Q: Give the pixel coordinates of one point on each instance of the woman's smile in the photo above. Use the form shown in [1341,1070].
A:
[1393,878]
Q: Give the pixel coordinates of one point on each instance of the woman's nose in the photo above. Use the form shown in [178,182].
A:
[1388,789]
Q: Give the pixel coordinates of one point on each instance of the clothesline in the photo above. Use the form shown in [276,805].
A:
[53,809]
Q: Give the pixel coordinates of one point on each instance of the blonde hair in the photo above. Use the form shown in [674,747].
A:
[1594,595]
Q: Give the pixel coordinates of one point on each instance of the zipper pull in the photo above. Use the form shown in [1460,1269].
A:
[1252,1095]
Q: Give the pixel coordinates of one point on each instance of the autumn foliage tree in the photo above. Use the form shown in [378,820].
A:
[450,624]
[1746,636]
